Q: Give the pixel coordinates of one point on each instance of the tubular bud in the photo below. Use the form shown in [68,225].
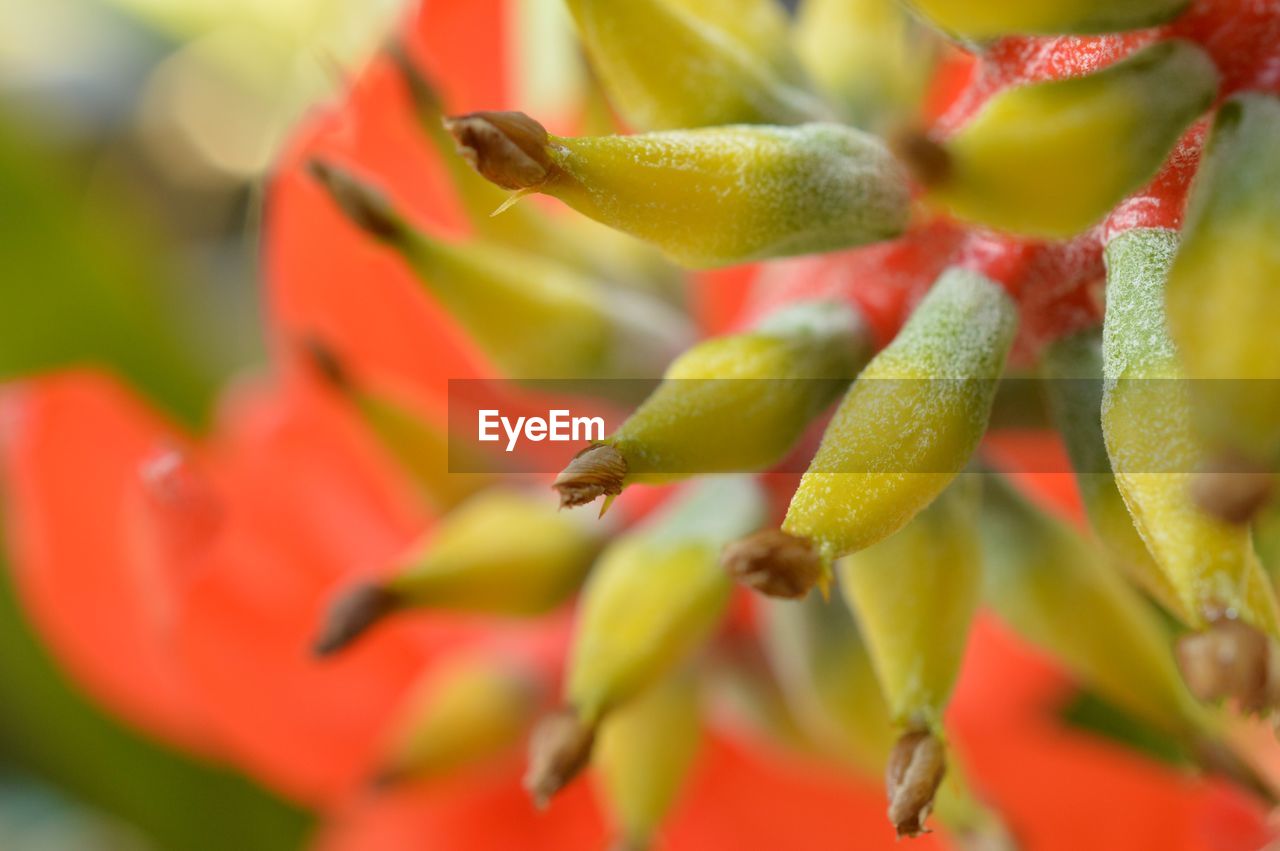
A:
[1072,373]
[710,197]
[420,448]
[654,596]
[984,19]
[535,318]
[1224,305]
[777,376]
[721,62]
[868,56]
[914,594]
[1147,424]
[910,422]
[468,712]
[1053,158]
[643,754]
[1042,578]
[501,552]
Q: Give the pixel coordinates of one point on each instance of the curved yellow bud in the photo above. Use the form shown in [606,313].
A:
[983,19]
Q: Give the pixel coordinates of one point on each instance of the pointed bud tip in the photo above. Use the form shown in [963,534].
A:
[351,615]
[507,148]
[1232,489]
[326,363]
[914,773]
[364,205]
[1231,660]
[926,159]
[559,749]
[423,93]
[775,563]
[594,472]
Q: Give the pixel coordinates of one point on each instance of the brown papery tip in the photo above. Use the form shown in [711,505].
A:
[351,616]
[926,159]
[1232,489]
[559,748]
[775,563]
[594,472]
[326,363]
[507,148]
[916,768]
[366,206]
[1232,660]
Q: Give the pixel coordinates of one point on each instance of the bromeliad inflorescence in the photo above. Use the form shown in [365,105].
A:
[1041,201]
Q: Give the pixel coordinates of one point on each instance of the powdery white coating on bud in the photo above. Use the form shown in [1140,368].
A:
[737,194]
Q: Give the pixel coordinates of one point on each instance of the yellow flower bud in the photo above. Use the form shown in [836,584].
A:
[470,711]
[868,56]
[536,562]
[1051,159]
[708,197]
[1055,589]
[983,19]
[914,594]
[1146,420]
[421,448]
[778,376]
[1224,305]
[652,599]
[534,317]
[721,62]
[1072,370]
[910,422]
[644,752]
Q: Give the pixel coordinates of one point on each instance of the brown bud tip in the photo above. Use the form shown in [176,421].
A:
[326,363]
[593,472]
[387,778]
[425,97]
[352,615]
[926,159]
[559,748]
[1232,489]
[366,207]
[775,563]
[508,148]
[916,767]
[1232,659]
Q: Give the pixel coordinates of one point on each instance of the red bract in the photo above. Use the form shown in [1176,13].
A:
[181,584]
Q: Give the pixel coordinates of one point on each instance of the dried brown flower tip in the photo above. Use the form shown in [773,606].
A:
[1232,659]
[1232,489]
[508,148]
[364,205]
[916,768]
[593,472]
[559,748]
[352,615]
[326,363]
[424,95]
[927,160]
[775,563]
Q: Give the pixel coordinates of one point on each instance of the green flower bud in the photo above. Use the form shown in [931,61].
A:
[535,318]
[470,711]
[721,62]
[1051,159]
[1146,420]
[983,19]
[536,562]
[910,422]
[1072,373]
[1224,305]
[778,377]
[652,599]
[708,197]
[642,756]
